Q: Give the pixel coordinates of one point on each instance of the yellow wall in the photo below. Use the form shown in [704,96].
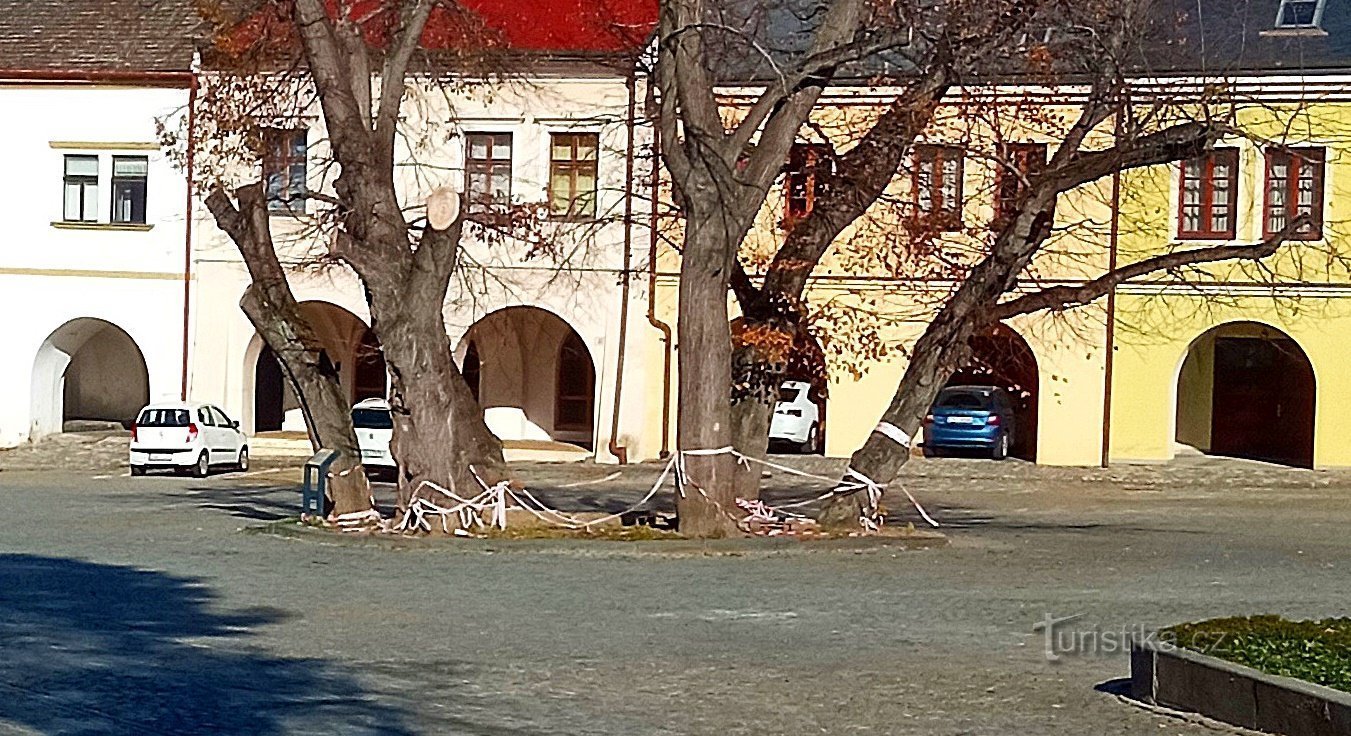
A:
[1155,323]
[1148,365]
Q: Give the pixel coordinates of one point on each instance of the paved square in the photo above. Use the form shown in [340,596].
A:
[136,605]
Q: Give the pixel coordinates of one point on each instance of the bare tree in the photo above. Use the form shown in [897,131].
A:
[357,62]
[723,159]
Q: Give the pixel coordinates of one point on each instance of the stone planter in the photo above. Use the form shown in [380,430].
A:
[1186,680]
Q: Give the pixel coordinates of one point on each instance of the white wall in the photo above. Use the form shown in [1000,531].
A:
[580,283]
[50,275]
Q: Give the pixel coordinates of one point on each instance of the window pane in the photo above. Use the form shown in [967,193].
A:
[91,200]
[129,200]
[502,147]
[130,165]
[562,148]
[72,209]
[82,166]
[587,147]
[1298,12]
[478,146]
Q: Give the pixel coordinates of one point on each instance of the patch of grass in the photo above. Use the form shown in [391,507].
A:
[1314,651]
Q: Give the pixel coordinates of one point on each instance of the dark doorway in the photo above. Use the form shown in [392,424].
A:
[575,399]
[268,393]
[470,371]
[1262,401]
[369,378]
[1003,358]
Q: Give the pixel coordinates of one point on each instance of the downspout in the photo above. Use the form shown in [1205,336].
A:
[187,229]
[1110,361]
[652,296]
[620,452]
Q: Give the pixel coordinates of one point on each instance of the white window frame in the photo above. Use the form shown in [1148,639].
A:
[1317,14]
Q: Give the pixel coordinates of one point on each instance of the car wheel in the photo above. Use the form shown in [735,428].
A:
[203,466]
[243,463]
[813,443]
[138,470]
[1001,448]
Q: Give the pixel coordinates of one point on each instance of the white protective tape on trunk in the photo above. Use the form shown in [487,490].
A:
[893,433]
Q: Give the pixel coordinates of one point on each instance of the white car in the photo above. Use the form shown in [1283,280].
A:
[186,436]
[797,419]
[375,428]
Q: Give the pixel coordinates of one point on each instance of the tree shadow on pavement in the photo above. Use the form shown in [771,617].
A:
[95,649]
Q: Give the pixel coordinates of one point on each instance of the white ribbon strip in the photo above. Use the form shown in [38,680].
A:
[893,433]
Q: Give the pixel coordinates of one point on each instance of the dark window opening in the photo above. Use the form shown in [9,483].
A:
[129,188]
[285,167]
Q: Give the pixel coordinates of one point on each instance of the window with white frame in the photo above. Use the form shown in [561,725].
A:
[81,188]
[1300,14]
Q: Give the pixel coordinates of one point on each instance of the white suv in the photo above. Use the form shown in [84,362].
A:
[186,436]
[375,428]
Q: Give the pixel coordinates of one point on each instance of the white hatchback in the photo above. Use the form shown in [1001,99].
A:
[797,418]
[375,428]
[186,436]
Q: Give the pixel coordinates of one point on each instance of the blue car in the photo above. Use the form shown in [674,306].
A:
[971,417]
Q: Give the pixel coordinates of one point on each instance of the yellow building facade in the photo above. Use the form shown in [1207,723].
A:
[1236,359]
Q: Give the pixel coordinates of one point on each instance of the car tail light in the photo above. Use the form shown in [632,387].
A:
[133,431]
[192,432]
[993,420]
[928,419]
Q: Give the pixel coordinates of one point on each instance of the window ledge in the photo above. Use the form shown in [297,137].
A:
[1296,32]
[113,226]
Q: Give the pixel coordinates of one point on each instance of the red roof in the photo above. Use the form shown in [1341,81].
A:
[561,26]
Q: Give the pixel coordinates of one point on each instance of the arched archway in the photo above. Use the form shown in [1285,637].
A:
[533,375]
[1247,390]
[87,369]
[350,345]
[1003,358]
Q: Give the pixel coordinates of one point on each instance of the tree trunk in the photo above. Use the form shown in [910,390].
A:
[439,432]
[939,353]
[272,308]
[756,385]
[707,502]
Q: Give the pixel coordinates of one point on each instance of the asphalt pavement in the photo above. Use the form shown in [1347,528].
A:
[153,605]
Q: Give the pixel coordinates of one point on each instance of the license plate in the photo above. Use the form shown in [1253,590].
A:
[160,457]
[961,420]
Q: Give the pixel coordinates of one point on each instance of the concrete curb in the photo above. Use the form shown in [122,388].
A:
[1185,680]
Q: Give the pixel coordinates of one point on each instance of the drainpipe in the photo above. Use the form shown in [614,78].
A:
[621,452]
[187,228]
[652,296]
[1110,361]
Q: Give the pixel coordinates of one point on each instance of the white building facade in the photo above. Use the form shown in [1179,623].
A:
[93,275]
